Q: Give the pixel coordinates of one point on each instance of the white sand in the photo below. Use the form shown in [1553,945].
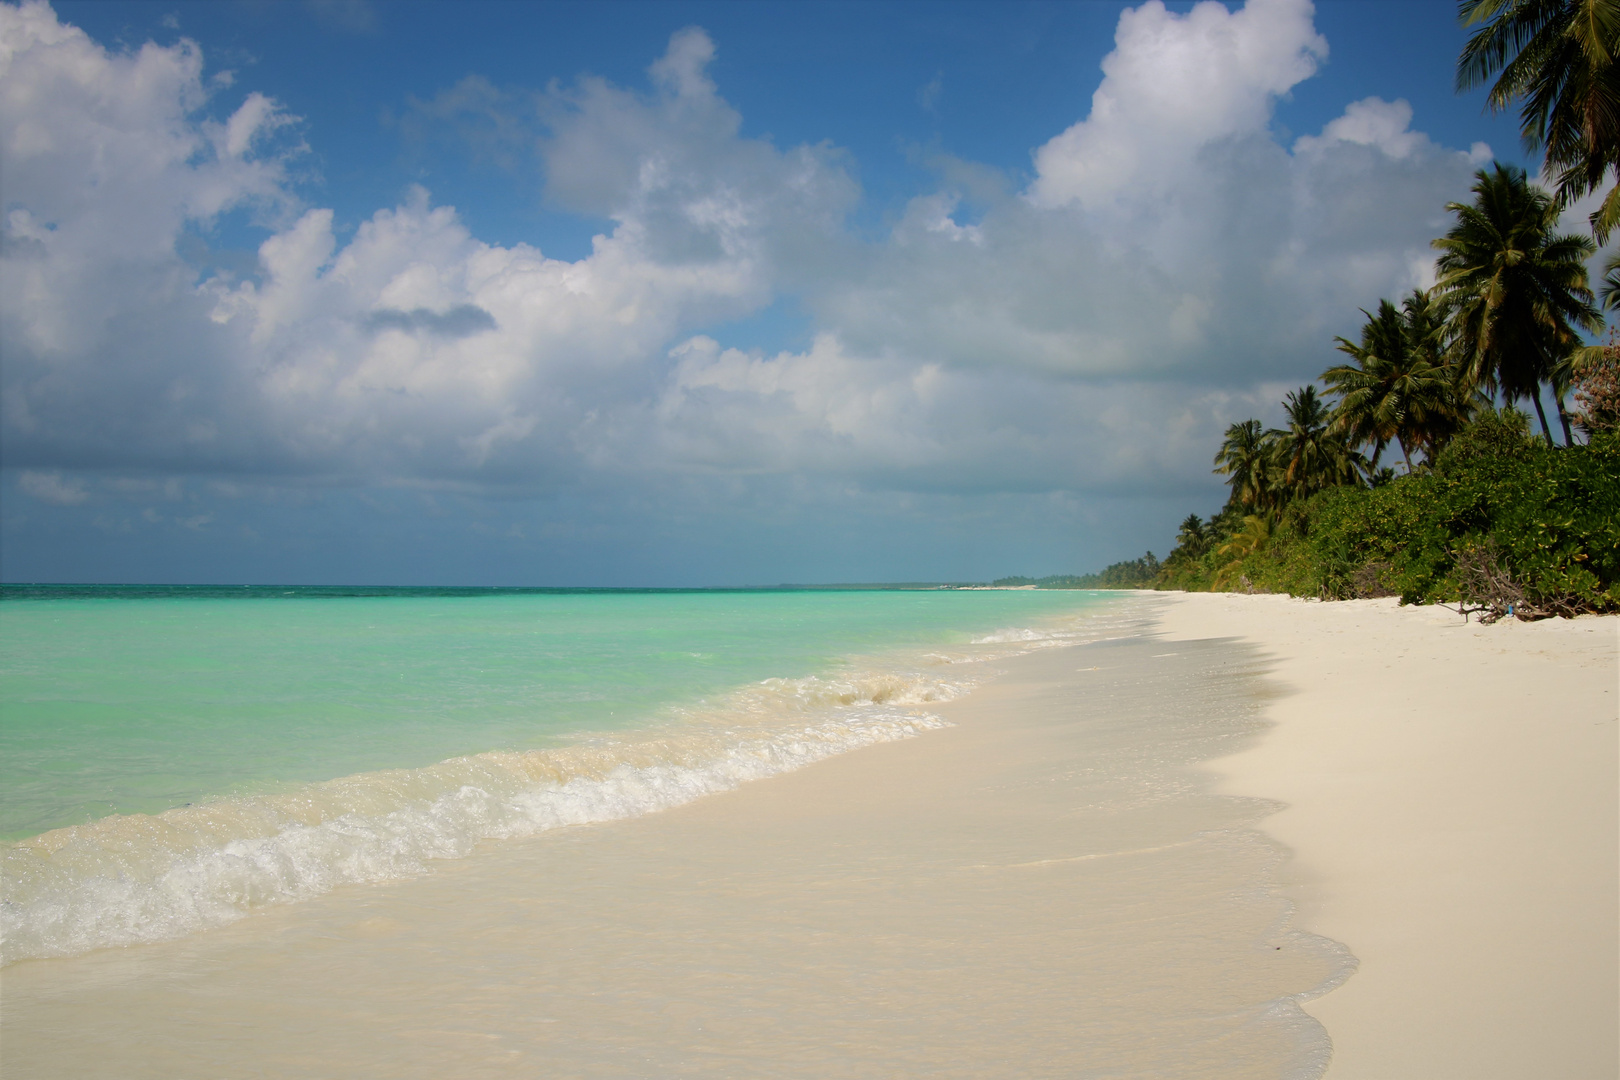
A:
[1452,800]
[1046,889]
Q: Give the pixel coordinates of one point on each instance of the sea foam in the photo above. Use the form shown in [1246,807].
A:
[137,878]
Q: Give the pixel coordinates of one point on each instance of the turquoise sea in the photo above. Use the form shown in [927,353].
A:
[172,758]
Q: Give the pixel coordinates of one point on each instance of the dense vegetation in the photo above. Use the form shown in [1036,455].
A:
[1500,523]
[1481,513]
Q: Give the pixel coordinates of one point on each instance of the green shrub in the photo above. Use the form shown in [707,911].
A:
[1547,520]
[1495,433]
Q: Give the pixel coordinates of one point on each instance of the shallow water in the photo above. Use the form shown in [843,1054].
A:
[173,759]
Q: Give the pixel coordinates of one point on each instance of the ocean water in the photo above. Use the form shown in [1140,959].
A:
[173,759]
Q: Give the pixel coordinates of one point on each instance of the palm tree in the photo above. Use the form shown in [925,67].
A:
[1192,539]
[1399,388]
[1245,459]
[1444,402]
[1514,290]
[1367,411]
[1309,456]
[1558,57]
[1254,535]
[1588,356]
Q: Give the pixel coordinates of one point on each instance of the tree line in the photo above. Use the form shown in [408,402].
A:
[1479,511]
[1435,378]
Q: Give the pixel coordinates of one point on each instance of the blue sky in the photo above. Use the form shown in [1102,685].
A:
[683,294]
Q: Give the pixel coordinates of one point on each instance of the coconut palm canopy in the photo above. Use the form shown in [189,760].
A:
[1514,289]
[1309,456]
[1557,59]
[1503,319]
[1397,389]
[1245,459]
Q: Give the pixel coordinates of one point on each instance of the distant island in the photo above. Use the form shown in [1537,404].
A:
[1132,574]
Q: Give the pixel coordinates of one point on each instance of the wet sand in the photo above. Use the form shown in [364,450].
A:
[1453,806]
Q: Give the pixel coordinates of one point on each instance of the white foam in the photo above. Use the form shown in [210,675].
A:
[1002,637]
[142,878]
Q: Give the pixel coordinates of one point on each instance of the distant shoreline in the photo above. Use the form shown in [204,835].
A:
[16,590]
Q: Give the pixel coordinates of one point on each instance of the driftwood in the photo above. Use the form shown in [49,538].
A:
[1484,585]
[1488,588]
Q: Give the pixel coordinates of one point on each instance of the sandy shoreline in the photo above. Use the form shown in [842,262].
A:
[1048,888]
[1086,874]
[1452,806]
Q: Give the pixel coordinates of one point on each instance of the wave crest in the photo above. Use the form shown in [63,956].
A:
[136,878]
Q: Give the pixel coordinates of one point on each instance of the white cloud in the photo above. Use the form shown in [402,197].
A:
[1368,122]
[1169,260]
[412,349]
[52,488]
[1167,235]
[108,163]
[894,424]
[1172,85]
[673,171]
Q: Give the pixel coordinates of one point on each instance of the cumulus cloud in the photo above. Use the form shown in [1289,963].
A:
[1167,267]
[1369,122]
[893,424]
[1172,85]
[463,320]
[672,170]
[411,350]
[109,161]
[1168,235]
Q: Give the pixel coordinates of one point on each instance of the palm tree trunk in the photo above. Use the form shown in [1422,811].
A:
[1542,413]
[1407,454]
[1563,418]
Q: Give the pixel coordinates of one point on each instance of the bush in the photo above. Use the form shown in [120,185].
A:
[1501,519]
[1496,433]
[1548,518]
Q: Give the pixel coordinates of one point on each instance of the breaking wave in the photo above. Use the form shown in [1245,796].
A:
[137,878]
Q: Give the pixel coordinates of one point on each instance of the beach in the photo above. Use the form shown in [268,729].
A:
[1231,836]
[1451,795]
